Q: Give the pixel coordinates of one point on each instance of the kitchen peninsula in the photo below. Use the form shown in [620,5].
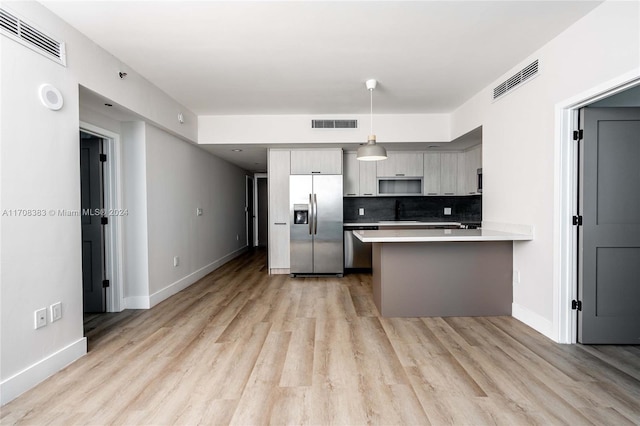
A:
[443,272]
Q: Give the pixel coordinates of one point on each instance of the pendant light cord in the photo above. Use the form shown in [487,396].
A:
[371,121]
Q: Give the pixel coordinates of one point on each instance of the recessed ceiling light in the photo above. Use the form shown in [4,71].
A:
[109,105]
[236,150]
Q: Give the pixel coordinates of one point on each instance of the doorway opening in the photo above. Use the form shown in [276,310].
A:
[566,281]
[608,224]
[261,209]
[93,218]
[107,280]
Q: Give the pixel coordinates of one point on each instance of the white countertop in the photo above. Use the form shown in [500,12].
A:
[434,235]
[402,223]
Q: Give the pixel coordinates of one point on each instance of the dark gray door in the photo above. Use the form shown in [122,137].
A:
[609,273]
[92,230]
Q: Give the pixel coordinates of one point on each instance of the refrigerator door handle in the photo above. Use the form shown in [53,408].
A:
[315,215]
[310,215]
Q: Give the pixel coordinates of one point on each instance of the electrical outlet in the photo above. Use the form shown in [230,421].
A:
[361,211]
[176,261]
[516,276]
[199,211]
[40,318]
[55,311]
[447,211]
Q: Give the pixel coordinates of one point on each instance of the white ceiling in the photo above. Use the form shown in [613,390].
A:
[312,57]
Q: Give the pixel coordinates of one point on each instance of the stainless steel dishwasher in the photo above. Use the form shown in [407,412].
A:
[357,255]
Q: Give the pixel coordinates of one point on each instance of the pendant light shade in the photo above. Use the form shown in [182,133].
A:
[371,151]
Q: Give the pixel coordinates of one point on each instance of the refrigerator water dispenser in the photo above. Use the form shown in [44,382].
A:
[300,214]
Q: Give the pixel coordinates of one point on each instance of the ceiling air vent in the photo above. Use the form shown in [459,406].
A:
[334,124]
[27,35]
[512,82]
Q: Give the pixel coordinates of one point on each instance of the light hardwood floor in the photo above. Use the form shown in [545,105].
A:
[245,348]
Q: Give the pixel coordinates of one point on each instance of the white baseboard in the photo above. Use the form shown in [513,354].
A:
[147,302]
[190,279]
[26,379]
[137,302]
[279,271]
[533,320]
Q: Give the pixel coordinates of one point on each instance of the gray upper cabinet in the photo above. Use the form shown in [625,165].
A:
[351,175]
[359,176]
[401,164]
[367,178]
[316,161]
[473,162]
[449,173]
[432,173]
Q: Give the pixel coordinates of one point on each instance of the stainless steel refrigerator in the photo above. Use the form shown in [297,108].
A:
[316,224]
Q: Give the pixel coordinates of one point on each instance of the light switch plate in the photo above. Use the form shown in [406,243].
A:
[55,312]
[447,211]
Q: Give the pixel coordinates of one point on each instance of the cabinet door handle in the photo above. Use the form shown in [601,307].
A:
[471,193]
[399,174]
[367,193]
[432,193]
[448,193]
[351,194]
[280,223]
[316,172]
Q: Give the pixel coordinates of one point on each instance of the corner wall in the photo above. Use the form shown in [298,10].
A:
[521,144]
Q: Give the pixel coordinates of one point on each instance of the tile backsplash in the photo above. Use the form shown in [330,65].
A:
[430,209]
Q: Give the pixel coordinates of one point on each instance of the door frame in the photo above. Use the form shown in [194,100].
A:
[565,274]
[113,247]
[256,214]
[249,214]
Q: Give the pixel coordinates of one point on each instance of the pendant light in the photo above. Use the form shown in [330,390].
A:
[371,151]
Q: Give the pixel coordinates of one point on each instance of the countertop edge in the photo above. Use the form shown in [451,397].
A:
[453,236]
[401,223]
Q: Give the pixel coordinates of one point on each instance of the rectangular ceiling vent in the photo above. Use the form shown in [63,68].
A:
[27,35]
[334,124]
[514,81]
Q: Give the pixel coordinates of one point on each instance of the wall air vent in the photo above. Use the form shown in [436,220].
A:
[27,35]
[515,80]
[334,124]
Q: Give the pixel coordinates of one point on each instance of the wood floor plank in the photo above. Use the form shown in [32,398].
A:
[298,366]
[243,347]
